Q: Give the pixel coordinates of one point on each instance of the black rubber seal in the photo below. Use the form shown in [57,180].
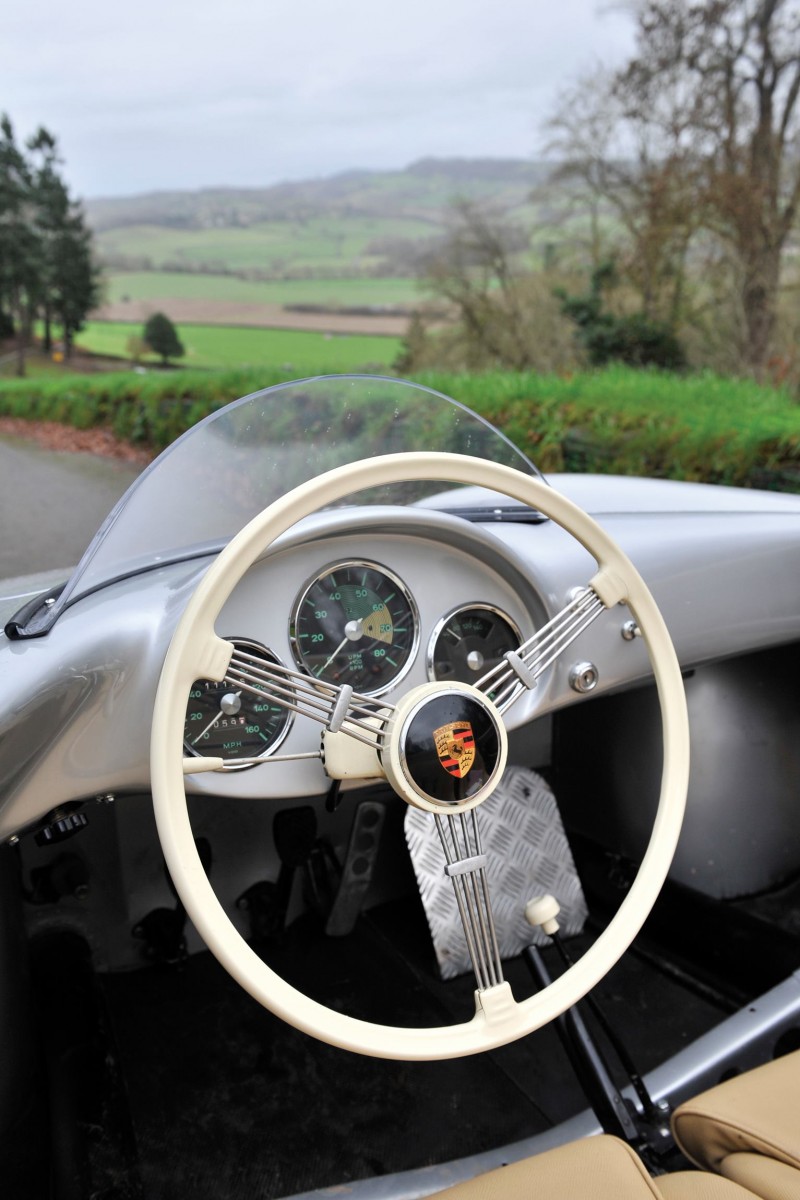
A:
[24,623]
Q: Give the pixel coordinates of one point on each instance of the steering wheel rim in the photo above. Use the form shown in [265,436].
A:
[196,651]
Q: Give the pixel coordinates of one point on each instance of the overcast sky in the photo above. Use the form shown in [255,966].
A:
[191,93]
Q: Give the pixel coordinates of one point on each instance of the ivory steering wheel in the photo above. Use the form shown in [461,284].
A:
[196,651]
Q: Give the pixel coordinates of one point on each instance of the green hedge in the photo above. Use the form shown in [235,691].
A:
[617,420]
[632,422]
[147,409]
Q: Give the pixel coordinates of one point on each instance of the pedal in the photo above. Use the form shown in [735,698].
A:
[358,867]
[294,831]
[162,931]
[266,903]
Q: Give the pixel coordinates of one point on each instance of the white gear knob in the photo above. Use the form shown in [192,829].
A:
[541,912]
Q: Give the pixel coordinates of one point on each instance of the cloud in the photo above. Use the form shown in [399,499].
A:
[165,95]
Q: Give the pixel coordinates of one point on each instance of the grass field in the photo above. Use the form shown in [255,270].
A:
[221,346]
[163,285]
[316,243]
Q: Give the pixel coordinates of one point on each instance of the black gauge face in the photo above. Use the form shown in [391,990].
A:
[469,642]
[226,723]
[355,624]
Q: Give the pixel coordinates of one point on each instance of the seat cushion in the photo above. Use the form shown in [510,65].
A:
[701,1185]
[602,1168]
[596,1168]
[766,1177]
[758,1112]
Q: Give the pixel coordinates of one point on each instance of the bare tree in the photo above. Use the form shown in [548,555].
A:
[474,273]
[707,130]
[503,313]
[635,187]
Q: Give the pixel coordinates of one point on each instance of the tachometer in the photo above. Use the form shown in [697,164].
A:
[355,623]
[470,641]
[223,722]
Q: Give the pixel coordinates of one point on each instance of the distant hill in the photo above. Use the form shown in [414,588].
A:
[420,192]
[352,245]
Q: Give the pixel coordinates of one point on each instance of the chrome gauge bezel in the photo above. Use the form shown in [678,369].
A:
[481,606]
[248,644]
[347,564]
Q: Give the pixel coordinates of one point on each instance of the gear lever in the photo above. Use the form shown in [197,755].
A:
[615,1114]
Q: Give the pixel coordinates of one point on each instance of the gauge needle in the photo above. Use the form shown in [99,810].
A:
[210,725]
[353,630]
[213,722]
[329,660]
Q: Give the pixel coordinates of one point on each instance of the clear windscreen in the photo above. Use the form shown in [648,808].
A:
[196,495]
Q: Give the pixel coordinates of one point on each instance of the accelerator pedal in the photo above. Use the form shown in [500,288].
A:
[358,868]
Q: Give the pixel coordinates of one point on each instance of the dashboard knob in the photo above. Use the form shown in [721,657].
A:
[61,826]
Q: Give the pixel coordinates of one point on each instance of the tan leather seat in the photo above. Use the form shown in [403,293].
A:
[748,1129]
[596,1168]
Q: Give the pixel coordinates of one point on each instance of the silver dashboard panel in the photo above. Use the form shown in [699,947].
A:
[76,706]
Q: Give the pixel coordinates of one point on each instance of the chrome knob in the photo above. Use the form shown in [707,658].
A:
[583,677]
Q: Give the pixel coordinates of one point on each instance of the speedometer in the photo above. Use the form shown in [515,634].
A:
[225,722]
[355,623]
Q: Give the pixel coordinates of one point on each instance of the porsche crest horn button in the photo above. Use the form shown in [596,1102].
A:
[455,745]
[448,748]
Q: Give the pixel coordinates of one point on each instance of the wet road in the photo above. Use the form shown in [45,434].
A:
[51,504]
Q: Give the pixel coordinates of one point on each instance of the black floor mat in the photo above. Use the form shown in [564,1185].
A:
[780,907]
[227,1101]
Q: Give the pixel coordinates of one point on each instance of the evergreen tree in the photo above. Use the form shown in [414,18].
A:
[46,264]
[162,338]
[19,257]
[68,278]
[51,209]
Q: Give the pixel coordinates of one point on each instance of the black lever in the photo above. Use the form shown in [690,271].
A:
[587,1060]
[649,1133]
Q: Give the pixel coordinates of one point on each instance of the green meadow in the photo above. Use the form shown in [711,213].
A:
[154,286]
[224,346]
[316,243]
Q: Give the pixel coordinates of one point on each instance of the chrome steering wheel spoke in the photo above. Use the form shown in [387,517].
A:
[336,707]
[467,868]
[521,669]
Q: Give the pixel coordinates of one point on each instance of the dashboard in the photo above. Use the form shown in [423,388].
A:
[380,611]
[354,622]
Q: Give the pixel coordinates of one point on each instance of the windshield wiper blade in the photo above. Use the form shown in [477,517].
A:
[519,513]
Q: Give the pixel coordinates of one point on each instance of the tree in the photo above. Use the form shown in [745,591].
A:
[50,204]
[504,314]
[46,264]
[710,100]
[18,242]
[632,338]
[162,338]
[136,347]
[68,278]
[636,190]
[76,279]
